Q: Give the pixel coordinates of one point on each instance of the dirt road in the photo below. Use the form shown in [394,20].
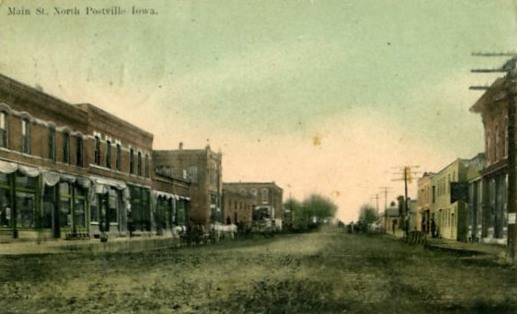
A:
[324,272]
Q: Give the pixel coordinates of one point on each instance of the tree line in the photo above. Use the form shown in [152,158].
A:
[309,213]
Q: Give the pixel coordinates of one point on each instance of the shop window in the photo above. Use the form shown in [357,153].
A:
[114,204]
[5,208]
[140,215]
[65,200]
[49,199]
[79,207]
[26,136]
[181,213]
[25,208]
[25,200]
[3,129]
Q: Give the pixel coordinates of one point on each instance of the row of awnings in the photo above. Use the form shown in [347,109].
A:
[101,185]
[158,194]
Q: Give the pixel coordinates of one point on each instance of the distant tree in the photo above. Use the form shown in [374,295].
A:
[368,214]
[294,207]
[320,207]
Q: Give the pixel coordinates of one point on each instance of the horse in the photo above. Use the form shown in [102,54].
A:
[219,231]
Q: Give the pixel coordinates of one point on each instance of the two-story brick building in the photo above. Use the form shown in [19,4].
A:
[237,206]
[267,196]
[493,108]
[72,169]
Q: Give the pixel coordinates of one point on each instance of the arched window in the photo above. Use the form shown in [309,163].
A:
[139,163]
[3,129]
[146,165]
[505,145]
[497,146]
[117,157]
[52,143]
[108,154]
[79,151]
[131,161]
[26,135]
[66,147]
[97,150]
[265,196]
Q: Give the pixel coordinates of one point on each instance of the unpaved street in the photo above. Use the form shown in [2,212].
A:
[323,272]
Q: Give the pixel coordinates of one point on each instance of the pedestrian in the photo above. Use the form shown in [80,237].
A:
[433,228]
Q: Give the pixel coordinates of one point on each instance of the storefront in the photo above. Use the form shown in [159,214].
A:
[36,202]
[170,210]
[109,206]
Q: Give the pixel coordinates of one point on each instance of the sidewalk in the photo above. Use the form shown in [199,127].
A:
[115,244]
[465,248]
[462,248]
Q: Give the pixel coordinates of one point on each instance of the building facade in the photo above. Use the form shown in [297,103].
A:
[449,216]
[493,107]
[237,207]
[203,168]
[69,170]
[424,202]
[266,196]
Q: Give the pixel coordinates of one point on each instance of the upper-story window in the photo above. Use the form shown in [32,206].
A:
[146,166]
[3,129]
[497,146]
[79,151]
[505,146]
[131,161]
[265,196]
[26,136]
[488,147]
[52,143]
[97,150]
[108,154]
[139,164]
[66,147]
[117,157]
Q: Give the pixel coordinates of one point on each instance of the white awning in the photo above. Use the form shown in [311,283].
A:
[119,185]
[157,194]
[8,167]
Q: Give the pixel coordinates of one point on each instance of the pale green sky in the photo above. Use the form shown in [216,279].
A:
[380,83]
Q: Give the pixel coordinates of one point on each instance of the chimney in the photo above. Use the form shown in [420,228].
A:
[181,146]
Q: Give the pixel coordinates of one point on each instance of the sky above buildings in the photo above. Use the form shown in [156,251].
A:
[332,97]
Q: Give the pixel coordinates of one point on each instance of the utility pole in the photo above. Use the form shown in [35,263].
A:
[510,70]
[407,175]
[385,189]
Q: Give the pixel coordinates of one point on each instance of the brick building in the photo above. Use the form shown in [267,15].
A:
[237,207]
[265,195]
[73,169]
[424,202]
[203,168]
[493,107]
